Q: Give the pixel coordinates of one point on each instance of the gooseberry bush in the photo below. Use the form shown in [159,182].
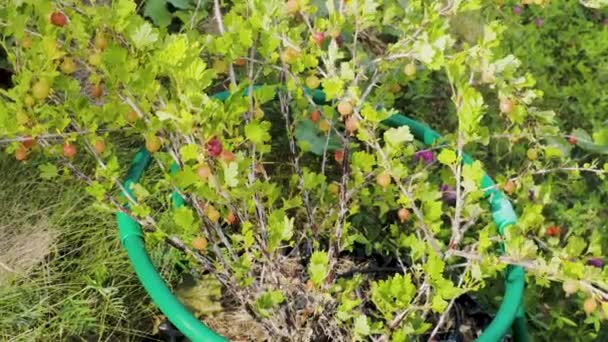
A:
[316,218]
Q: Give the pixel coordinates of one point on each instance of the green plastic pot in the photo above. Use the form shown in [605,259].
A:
[511,313]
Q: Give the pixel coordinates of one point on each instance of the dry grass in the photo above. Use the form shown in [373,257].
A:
[23,248]
[63,274]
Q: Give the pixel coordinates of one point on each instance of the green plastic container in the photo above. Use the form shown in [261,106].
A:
[511,313]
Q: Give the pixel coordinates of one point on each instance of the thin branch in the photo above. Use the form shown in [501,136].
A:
[296,160]
[220,26]
[531,265]
[193,18]
[58,136]
[449,307]
[456,233]
[419,215]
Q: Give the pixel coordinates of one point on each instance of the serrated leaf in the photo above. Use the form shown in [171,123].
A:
[600,136]
[48,171]
[231,172]
[333,87]
[158,12]
[447,157]
[185,178]
[396,136]
[361,327]
[280,228]
[258,132]
[263,94]
[175,50]
[188,152]
[373,115]
[184,218]
[363,161]
[267,301]
[96,190]
[438,304]
[312,180]
[561,144]
[139,191]
[144,35]
[318,267]
[393,294]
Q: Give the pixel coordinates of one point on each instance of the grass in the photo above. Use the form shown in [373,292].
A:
[63,274]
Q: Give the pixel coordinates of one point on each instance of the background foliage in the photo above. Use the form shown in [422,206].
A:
[315,220]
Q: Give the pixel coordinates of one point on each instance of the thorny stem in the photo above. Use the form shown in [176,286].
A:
[220,26]
[449,307]
[261,214]
[57,136]
[284,101]
[223,278]
[201,213]
[334,249]
[428,234]
[456,233]
[532,266]
[80,175]
[324,161]
[551,170]
[401,316]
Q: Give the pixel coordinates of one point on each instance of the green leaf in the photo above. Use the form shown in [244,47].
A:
[361,327]
[231,172]
[576,245]
[333,88]
[48,171]
[396,136]
[600,137]
[96,190]
[188,152]
[185,178]
[258,132]
[312,180]
[183,4]
[175,50]
[144,36]
[307,135]
[439,304]
[584,141]
[393,294]
[424,51]
[363,161]
[470,112]
[472,175]
[318,267]
[139,191]
[434,267]
[369,113]
[447,157]
[263,94]
[416,246]
[184,218]
[280,228]
[553,152]
[158,12]
[560,143]
[594,3]
[267,301]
